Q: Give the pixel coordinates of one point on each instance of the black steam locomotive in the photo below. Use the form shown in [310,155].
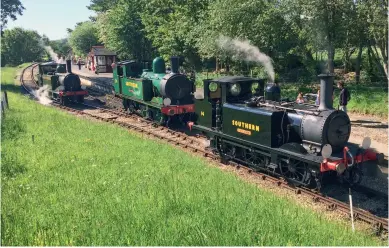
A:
[300,142]
[63,86]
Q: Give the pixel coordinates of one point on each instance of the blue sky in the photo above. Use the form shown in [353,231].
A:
[52,17]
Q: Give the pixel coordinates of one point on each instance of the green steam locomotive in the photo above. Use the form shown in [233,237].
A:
[154,93]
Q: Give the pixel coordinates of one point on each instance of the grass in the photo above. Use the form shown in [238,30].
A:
[94,184]
[364,99]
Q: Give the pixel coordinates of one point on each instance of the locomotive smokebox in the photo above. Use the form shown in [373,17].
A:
[326,91]
[175,61]
[69,66]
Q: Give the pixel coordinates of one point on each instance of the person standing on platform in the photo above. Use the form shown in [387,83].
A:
[344,97]
[317,102]
[79,63]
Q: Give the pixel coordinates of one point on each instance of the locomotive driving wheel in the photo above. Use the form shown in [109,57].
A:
[80,99]
[130,108]
[144,112]
[253,158]
[295,171]
[227,152]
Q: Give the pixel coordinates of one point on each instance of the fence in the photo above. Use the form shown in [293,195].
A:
[4,103]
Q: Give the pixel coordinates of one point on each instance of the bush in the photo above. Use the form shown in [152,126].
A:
[364,77]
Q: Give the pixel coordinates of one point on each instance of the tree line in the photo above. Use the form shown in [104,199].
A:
[19,46]
[303,37]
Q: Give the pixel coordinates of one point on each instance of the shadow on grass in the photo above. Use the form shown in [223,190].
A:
[11,129]
[13,88]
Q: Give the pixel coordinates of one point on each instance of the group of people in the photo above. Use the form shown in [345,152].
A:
[344,97]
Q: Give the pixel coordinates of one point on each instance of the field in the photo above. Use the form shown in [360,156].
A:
[70,181]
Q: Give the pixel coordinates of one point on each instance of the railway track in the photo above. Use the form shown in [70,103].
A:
[29,85]
[196,145]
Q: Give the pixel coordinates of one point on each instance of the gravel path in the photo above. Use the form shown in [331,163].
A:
[374,127]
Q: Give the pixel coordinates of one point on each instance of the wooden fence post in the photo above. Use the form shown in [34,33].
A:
[6,98]
[2,108]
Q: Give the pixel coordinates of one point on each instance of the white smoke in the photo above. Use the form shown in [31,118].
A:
[53,55]
[42,94]
[243,50]
[60,61]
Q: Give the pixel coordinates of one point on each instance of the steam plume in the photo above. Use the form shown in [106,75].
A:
[42,94]
[53,55]
[243,50]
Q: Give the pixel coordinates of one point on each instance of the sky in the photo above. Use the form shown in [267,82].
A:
[52,17]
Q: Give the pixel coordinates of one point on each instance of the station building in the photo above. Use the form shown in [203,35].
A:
[101,57]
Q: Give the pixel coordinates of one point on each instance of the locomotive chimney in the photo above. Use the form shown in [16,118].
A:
[326,91]
[69,66]
[175,61]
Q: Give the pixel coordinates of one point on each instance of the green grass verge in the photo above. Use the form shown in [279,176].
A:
[89,183]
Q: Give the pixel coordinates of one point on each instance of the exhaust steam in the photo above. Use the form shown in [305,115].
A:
[243,50]
[42,94]
[53,55]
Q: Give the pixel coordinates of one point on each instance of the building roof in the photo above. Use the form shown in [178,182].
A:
[101,51]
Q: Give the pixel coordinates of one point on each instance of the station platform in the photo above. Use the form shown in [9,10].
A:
[106,77]
[102,82]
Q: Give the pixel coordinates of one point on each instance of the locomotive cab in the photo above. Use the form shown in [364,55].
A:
[123,70]
[224,90]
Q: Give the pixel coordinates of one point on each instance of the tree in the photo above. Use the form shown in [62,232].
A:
[324,23]
[60,47]
[377,16]
[45,40]
[19,46]
[261,22]
[83,37]
[102,5]
[124,33]
[9,9]
[170,26]
[361,33]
